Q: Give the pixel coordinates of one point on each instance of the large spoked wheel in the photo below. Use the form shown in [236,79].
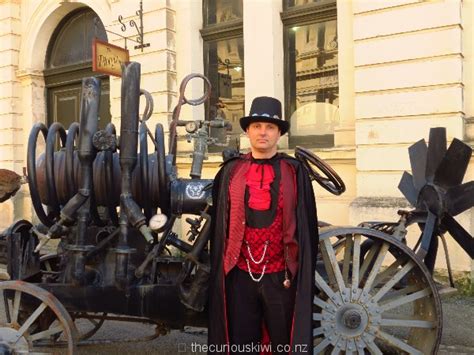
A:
[30,317]
[87,324]
[378,301]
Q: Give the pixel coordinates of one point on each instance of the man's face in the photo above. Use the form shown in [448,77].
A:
[263,136]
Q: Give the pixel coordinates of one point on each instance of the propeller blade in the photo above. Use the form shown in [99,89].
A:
[428,233]
[452,168]
[418,153]
[460,198]
[464,239]
[407,188]
[436,151]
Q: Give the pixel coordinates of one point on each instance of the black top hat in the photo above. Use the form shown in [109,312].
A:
[265,109]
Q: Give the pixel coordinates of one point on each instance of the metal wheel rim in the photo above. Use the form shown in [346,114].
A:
[354,309]
[14,328]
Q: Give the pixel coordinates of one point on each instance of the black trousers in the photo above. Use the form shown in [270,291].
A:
[251,303]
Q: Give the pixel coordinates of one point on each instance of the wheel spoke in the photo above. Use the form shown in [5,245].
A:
[406,299]
[321,346]
[334,264]
[399,344]
[368,259]
[16,306]
[376,267]
[356,261]
[93,322]
[373,348]
[347,260]
[46,333]
[397,277]
[322,304]
[350,347]
[32,318]
[325,287]
[415,323]
[399,293]
[388,272]
[327,264]
[318,331]
[317,317]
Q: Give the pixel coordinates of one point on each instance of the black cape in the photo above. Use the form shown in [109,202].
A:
[307,238]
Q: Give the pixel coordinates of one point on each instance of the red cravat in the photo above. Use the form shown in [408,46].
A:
[258,179]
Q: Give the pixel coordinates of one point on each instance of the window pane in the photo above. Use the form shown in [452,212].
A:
[225,70]
[313,92]
[218,11]
[73,41]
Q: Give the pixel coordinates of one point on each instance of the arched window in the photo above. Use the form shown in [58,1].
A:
[68,60]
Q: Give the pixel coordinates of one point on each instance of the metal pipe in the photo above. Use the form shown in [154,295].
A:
[128,149]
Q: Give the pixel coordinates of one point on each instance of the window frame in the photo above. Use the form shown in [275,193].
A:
[303,15]
[212,33]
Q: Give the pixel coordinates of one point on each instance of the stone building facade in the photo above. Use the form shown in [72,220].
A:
[379,73]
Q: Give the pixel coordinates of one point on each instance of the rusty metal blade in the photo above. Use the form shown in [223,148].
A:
[460,198]
[452,168]
[436,151]
[464,239]
[407,187]
[418,153]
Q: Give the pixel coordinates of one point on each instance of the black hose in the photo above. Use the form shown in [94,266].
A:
[109,178]
[145,187]
[31,168]
[72,133]
[55,129]
[163,183]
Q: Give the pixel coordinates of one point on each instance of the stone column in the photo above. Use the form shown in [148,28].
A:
[263,62]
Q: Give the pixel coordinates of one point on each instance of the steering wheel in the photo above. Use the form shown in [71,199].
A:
[330,180]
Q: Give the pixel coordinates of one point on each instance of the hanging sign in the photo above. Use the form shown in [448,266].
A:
[107,58]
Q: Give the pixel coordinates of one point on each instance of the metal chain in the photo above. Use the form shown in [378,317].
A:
[263,254]
[256,279]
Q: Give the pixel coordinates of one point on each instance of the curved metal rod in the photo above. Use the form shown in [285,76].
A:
[55,129]
[148,105]
[181,101]
[72,134]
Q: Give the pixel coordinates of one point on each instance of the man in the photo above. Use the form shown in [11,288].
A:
[263,245]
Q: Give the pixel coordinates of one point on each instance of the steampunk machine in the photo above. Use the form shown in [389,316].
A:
[111,208]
